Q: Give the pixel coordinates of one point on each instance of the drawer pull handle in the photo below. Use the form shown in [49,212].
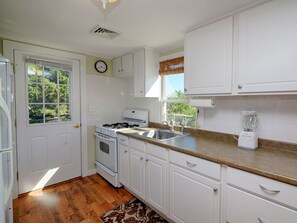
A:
[126,151]
[141,158]
[191,164]
[146,160]
[269,190]
[215,189]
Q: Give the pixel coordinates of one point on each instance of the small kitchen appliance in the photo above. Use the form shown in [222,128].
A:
[107,143]
[248,138]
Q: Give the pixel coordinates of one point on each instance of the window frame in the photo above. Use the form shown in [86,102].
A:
[43,103]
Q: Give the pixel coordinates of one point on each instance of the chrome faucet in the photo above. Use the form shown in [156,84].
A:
[170,124]
[182,126]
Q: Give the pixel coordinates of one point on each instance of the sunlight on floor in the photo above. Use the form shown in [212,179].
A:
[49,174]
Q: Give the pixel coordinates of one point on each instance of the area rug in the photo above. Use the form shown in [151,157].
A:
[133,211]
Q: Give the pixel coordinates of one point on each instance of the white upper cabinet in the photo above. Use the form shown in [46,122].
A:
[268,48]
[123,66]
[208,59]
[146,74]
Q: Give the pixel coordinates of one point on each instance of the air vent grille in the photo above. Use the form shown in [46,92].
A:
[104,32]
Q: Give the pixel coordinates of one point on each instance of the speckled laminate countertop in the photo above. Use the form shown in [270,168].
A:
[276,164]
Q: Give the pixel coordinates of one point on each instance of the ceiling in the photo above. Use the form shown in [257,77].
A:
[66,24]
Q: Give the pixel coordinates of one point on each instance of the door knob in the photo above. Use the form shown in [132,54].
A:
[76,125]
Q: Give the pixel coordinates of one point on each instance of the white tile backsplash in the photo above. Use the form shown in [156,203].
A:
[277,116]
[107,97]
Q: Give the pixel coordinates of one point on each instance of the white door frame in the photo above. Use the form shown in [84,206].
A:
[8,51]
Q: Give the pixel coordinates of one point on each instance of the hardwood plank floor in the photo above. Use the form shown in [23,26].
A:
[79,200]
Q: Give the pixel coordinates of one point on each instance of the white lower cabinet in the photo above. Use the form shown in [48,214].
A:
[124,165]
[137,173]
[255,199]
[193,198]
[244,207]
[156,182]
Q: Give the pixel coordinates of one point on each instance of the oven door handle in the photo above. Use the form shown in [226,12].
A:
[110,139]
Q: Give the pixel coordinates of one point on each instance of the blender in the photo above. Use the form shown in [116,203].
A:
[248,138]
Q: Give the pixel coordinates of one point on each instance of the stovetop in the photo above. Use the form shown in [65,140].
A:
[120,125]
[132,118]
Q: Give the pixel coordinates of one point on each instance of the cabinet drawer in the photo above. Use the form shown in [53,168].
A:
[124,140]
[247,208]
[137,144]
[198,165]
[156,151]
[268,188]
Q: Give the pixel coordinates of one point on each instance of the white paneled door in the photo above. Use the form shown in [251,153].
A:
[48,117]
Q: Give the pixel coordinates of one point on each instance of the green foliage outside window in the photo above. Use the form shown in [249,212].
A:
[180,112]
[48,94]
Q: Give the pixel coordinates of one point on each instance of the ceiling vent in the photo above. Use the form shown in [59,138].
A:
[104,32]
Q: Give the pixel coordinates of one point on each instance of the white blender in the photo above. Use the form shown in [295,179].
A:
[248,138]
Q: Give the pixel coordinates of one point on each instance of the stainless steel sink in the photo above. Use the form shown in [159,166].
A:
[161,134]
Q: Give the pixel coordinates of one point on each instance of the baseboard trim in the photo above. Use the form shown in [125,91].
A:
[89,172]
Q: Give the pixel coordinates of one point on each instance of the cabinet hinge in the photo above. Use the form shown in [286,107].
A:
[15,123]
[17,176]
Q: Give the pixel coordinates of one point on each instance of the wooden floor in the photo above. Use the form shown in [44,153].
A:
[79,200]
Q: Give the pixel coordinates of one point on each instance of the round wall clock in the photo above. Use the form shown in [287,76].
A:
[101,66]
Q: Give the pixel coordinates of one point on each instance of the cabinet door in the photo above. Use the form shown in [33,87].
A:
[124,165]
[127,63]
[193,198]
[139,69]
[247,208]
[268,48]
[117,66]
[137,173]
[156,183]
[208,59]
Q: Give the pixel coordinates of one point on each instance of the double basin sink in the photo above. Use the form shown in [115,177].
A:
[160,134]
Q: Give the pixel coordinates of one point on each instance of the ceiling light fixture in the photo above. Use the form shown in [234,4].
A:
[106,2]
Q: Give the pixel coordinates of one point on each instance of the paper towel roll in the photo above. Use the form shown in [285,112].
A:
[202,103]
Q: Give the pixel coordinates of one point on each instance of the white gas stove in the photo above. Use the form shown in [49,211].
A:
[106,143]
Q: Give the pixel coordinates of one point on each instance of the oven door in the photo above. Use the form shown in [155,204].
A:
[106,151]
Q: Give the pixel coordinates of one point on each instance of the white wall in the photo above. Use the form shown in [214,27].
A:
[277,116]
[107,97]
[150,104]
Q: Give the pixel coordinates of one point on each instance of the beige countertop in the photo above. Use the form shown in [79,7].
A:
[276,164]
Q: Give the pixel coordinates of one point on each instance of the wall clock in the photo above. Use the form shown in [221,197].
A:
[101,66]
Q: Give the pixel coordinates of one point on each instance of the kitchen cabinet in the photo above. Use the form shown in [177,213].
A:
[123,66]
[146,73]
[252,198]
[268,48]
[137,167]
[155,176]
[123,145]
[124,165]
[137,173]
[208,59]
[193,197]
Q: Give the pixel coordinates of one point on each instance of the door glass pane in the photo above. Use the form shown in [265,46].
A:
[64,93]
[35,113]
[50,75]
[51,113]
[49,92]
[65,112]
[34,73]
[64,77]
[35,94]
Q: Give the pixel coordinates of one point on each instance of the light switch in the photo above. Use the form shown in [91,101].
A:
[91,108]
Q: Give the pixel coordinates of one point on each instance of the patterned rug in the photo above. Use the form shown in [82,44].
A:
[133,211]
